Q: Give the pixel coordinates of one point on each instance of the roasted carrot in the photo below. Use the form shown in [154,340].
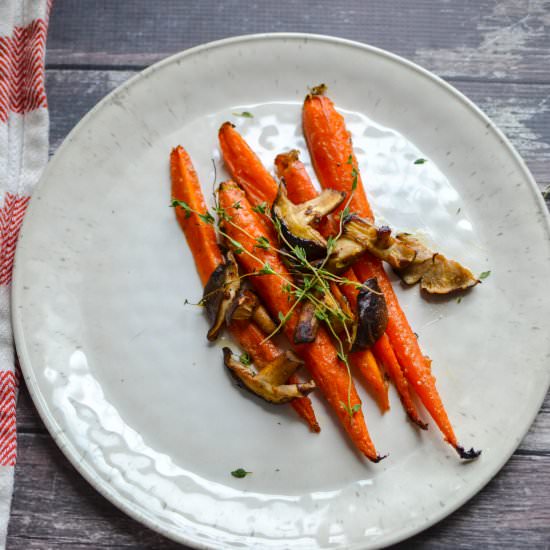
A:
[320,357]
[202,241]
[248,171]
[200,236]
[331,150]
[245,166]
[365,362]
[384,353]
[300,188]
[292,171]
[304,407]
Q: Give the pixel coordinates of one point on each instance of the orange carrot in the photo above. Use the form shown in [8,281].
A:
[202,241]
[300,189]
[331,151]
[248,171]
[291,169]
[201,237]
[364,362]
[245,167]
[384,353]
[320,357]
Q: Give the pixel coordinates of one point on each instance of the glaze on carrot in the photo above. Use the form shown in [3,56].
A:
[202,240]
[331,150]
[320,357]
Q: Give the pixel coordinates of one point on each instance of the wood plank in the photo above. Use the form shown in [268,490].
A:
[54,508]
[482,39]
[521,111]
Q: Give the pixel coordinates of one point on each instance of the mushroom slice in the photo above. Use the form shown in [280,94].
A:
[307,325]
[446,276]
[268,383]
[242,307]
[436,273]
[219,293]
[296,220]
[378,241]
[248,306]
[422,262]
[372,315]
[345,253]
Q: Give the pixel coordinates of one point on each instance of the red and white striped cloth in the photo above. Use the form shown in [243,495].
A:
[23,156]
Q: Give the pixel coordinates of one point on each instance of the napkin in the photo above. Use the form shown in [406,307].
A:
[23,155]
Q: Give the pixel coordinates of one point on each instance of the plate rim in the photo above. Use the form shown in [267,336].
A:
[57,432]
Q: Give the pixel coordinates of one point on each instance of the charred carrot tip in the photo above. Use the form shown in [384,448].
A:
[320,89]
[284,160]
[315,428]
[226,124]
[419,423]
[464,454]
[379,458]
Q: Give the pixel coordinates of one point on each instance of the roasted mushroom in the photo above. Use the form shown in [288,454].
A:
[436,273]
[247,305]
[378,241]
[307,325]
[372,315]
[269,382]
[360,236]
[337,311]
[295,220]
[345,253]
[219,293]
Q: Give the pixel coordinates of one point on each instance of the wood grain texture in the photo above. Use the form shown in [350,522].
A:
[487,39]
[497,52]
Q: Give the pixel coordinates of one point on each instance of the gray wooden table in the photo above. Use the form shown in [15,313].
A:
[495,51]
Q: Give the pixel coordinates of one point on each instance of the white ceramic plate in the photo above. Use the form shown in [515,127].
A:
[119,367]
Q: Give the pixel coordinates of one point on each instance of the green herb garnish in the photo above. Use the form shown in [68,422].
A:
[350,410]
[244,358]
[240,473]
[183,205]
[420,161]
[262,242]
[484,275]
[260,208]
[244,114]
[266,270]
